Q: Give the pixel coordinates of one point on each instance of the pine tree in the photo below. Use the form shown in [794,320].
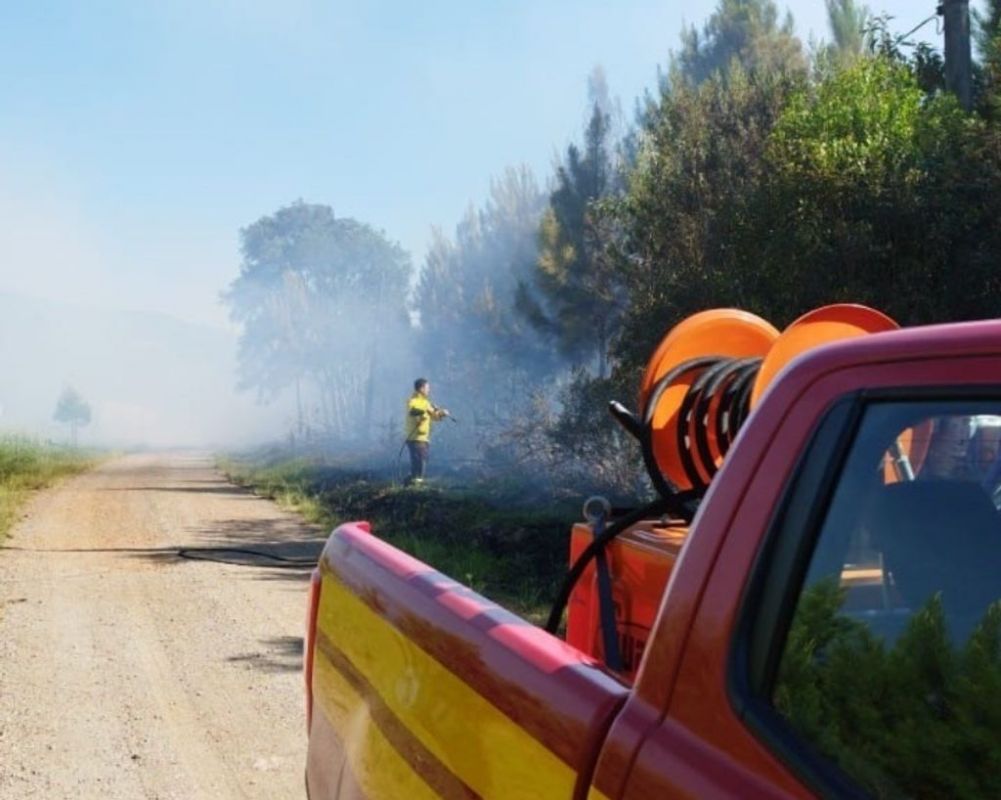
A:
[848,21]
[469,336]
[577,296]
[748,32]
[988,39]
[988,29]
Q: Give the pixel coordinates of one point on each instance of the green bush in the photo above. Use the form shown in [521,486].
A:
[918,718]
[503,545]
[26,465]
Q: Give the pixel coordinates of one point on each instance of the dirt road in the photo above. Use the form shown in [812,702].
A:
[127,671]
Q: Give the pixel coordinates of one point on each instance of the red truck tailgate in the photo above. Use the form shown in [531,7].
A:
[423,688]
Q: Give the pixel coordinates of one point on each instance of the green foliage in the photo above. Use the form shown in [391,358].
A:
[576,295]
[848,21]
[700,161]
[988,40]
[747,33]
[925,63]
[767,193]
[497,541]
[874,193]
[27,465]
[987,28]
[918,718]
[860,124]
[317,296]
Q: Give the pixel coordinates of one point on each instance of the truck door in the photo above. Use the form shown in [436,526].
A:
[833,627]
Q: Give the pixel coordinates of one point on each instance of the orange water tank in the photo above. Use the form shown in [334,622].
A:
[640,562]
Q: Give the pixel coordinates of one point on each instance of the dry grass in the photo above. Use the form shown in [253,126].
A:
[513,552]
[26,466]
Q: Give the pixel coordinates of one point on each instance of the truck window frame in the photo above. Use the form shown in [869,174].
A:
[770,596]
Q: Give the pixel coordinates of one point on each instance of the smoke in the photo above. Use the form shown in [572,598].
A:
[66,290]
[149,379]
[332,324]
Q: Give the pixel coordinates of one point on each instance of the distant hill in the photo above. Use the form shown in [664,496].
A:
[150,379]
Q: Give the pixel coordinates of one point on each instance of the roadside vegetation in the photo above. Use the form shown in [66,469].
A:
[495,539]
[759,172]
[27,465]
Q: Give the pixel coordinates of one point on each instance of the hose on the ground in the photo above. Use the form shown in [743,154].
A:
[200,554]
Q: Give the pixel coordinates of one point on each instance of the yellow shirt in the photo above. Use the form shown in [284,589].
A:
[420,415]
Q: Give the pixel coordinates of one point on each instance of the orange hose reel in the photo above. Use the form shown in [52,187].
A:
[712,369]
[700,384]
[720,333]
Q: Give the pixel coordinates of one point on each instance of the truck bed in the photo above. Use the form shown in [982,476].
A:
[423,688]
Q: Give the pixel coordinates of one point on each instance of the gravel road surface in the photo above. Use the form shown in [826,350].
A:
[127,671]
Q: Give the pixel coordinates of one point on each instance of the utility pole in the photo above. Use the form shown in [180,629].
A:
[958,62]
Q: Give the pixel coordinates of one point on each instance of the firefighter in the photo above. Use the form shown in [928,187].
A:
[421,412]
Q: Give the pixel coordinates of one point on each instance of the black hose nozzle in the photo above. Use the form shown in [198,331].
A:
[626,418]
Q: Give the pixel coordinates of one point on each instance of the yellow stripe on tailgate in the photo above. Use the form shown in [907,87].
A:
[469,735]
[377,767]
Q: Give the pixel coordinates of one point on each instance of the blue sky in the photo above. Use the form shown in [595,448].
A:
[136,138]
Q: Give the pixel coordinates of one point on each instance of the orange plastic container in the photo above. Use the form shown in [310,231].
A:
[640,561]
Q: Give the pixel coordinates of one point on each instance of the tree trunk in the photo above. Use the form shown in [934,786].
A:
[298,406]
[370,393]
[602,350]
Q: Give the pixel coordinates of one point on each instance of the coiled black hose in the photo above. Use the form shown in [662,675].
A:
[729,381]
[720,385]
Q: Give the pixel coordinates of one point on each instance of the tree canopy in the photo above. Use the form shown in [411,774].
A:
[576,294]
[469,334]
[849,22]
[72,410]
[749,33]
[316,295]
[758,175]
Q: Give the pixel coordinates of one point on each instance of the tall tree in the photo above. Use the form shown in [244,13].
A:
[988,29]
[848,21]
[701,158]
[469,336]
[320,298]
[988,39]
[876,193]
[576,295]
[72,410]
[748,32]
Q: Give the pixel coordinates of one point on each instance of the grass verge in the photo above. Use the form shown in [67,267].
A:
[486,536]
[25,466]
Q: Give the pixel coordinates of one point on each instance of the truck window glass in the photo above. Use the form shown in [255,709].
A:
[892,663]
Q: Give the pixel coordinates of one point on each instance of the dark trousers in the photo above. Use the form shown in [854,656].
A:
[418,459]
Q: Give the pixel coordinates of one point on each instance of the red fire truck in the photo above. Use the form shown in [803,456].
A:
[809,606]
